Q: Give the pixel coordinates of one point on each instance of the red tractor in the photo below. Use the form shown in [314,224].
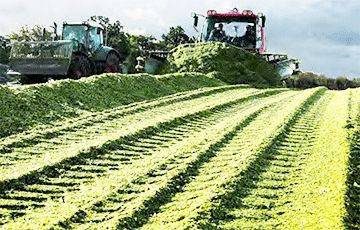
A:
[245,30]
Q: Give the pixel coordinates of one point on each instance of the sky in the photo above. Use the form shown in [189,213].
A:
[323,34]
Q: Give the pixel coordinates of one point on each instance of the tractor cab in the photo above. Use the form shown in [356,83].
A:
[242,29]
[89,36]
[246,30]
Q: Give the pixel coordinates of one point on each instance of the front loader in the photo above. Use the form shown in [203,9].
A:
[81,52]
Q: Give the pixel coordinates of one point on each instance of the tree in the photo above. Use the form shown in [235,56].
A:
[342,83]
[175,37]
[115,35]
[147,43]
[37,33]
[4,50]
[356,82]
[139,45]
[310,80]
[129,46]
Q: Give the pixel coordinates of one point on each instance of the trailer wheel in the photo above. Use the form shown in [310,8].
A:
[80,67]
[112,64]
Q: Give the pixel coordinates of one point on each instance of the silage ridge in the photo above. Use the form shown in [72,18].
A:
[25,107]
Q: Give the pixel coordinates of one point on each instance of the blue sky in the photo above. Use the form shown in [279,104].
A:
[325,35]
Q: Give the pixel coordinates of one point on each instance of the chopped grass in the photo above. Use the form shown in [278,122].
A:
[174,143]
[225,166]
[226,62]
[221,157]
[24,107]
[352,219]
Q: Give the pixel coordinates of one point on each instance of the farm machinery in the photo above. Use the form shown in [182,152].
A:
[81,52]
[245,30]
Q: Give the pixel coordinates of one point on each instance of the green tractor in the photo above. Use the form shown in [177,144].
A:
[81,52]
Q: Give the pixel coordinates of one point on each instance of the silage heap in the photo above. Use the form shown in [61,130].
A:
[228,63]
[27,106]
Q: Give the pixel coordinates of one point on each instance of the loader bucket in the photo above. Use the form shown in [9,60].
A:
[287,67]
[283,64]
[41,58]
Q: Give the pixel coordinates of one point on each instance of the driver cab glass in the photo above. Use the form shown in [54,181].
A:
[236,29]
[75,32]
[95,38]
[233,29]
[238,33]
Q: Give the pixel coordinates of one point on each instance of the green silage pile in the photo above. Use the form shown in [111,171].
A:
[24,107]
[226,62]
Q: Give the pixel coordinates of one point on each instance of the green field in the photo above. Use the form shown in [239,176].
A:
[208,157]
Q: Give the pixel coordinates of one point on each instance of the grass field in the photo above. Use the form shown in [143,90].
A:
[221,157]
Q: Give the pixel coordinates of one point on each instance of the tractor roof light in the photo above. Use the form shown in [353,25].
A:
[234,13]
[211,12]
[248,13]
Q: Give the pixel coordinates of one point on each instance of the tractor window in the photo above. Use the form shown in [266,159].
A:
[235,29]
[232,29]
[75,32]
[238,33]
[95,38]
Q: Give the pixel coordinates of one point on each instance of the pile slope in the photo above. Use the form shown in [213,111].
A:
[228,157]
[46,170]
[26,106]
[226,62]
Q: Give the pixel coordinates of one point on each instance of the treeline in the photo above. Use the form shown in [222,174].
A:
[311,80]
[129,46]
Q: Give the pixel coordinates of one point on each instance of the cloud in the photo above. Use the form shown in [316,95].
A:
[347,38]
[136,31]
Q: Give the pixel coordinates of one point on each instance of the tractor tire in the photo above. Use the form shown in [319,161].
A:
[112,64]
[3,80]
[80,67]
[33,79]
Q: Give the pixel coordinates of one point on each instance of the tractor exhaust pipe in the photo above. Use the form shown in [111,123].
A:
[55,38]
[44,34]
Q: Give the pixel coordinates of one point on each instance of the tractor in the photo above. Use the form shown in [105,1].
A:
[245,30]
[81,52]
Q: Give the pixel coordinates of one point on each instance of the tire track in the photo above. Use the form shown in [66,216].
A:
[131,218]
[45,132]
[352,217]
[24,160]
[158,183]
[318,198]
[59,187]
[258,199]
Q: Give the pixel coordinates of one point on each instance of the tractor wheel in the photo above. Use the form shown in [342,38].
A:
[33,79]
[112,64]
[80,67]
